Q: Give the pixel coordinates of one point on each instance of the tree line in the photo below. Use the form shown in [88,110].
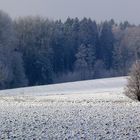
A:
[38,51]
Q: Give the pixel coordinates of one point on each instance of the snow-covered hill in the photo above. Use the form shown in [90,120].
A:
[91,86]
[88,110]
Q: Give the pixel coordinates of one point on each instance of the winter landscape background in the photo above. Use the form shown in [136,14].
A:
[65,70]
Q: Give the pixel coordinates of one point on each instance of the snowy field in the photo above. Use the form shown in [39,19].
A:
[88,110]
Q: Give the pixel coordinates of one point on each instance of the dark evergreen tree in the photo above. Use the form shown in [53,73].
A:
[106,47]
[57,44]
[88,32]
[91,58]
[124,25]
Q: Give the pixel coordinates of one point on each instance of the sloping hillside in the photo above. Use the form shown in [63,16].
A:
[91,86]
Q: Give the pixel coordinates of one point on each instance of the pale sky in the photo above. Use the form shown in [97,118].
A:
[98,10]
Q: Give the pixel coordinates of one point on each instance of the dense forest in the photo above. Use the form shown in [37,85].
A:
[38,51]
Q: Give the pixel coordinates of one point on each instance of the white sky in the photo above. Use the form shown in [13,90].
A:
[119,10]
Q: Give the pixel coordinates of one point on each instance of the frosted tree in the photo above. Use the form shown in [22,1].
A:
[19,77]
[6,37]
[34,43]
[8,53]
[81,63]
[90,58]
[133,86]
[106,45]
[6,75]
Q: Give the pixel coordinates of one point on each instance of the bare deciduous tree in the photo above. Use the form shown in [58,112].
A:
[133,86]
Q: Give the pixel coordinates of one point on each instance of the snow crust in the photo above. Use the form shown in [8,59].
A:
[88,110]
